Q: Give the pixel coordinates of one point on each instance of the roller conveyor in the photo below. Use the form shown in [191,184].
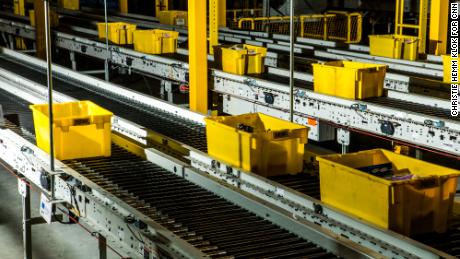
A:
[414,107]
[217,227]
[187,132]
[210,223]
[139,115]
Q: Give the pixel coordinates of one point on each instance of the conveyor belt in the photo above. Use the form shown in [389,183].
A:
[414,107]
[170,125]
[304,183]
[177,128]
[16,106]
[217,227]
[210,223]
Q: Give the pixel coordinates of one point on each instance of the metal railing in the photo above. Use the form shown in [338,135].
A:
[334,25]
[234,14]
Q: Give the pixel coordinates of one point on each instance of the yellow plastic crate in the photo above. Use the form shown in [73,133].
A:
[81,129]
[420,202]
[447,60]
[54,18]
[347,79]
[69,4]
[394,46]
[119,32]
[173,17]
[243,59]
[155,41]
[257,143]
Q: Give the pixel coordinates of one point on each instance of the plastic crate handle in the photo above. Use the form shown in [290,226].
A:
[81,122]
[289,134]
[427,183]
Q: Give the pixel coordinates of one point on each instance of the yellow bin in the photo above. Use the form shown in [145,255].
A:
[69,4]
[243,59]
[81,129]
[420,201]
[155,41]
[119,32]
[394,46]
[347,79]
[257,143]
[447,62]
[173,17]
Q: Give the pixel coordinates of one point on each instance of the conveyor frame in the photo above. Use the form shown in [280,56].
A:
[18,86]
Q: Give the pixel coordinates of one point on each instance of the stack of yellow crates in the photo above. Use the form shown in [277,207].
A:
[173,17]
[155,41]
[243,59]
[119,32]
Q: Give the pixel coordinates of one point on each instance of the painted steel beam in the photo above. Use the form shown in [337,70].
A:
[40,29]
[123,6]
[438,26]
[214,12]
[198,57]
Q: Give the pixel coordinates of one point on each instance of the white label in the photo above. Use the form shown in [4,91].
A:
[121,234]
[141,249]
[279,191]
[180,21]
[46,208]
[22,188]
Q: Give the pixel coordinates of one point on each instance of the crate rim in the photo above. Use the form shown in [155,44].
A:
[326,159]
[106,112]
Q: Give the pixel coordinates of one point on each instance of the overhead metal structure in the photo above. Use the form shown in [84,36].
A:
[160,170]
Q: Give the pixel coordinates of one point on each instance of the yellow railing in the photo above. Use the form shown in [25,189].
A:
[338,26]
[234,14]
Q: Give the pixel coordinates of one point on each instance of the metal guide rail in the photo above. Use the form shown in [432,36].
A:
[255,90]
[240,36]
[361,233]
[429,123]
[177,70]
[134,195]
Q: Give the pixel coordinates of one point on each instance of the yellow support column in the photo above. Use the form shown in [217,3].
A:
[123,6]
[19,9]
[198,60]
[423,19]
[40,41]
[438,26]
[213,24]
[161,5]
[222,13]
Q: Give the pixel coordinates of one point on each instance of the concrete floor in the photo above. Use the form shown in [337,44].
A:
[48,241]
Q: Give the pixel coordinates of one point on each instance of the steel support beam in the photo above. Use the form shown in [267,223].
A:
[222,13]
[40,34]
[123,6]
[439,20]
[26,224]
[214,11]
[198,58]
[423,20]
